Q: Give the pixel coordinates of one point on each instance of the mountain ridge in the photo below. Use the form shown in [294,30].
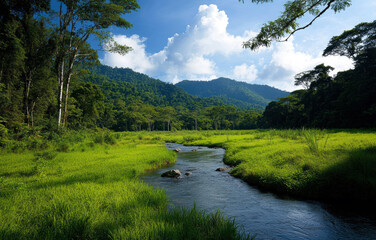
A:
[233,91]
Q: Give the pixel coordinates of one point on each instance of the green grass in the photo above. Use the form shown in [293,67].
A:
[329,165]
[90,190]
[85,185]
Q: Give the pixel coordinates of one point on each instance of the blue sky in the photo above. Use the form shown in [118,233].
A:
[174,40]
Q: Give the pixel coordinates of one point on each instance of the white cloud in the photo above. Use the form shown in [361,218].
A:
[245,73]
[286,62]
[189,55]
[137,59]
[288,58]
[199,65]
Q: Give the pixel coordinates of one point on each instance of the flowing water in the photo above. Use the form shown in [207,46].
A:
[263,214]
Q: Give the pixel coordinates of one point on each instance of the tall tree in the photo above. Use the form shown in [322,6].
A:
[78,20]
[24,51]
[314,78]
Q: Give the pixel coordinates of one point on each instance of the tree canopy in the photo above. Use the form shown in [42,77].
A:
[287,24]
[344,101]
[353,42]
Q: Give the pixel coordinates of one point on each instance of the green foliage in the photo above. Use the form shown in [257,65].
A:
[90,100]
[287,24]
[105,137]
[353,42]
[239,94]
[345,101]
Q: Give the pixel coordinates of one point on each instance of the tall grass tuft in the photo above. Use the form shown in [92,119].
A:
[310,137]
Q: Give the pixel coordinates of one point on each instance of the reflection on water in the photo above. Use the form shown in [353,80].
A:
[259,213]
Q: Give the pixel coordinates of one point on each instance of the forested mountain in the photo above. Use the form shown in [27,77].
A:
[134,101]
[237,93]
[128,84]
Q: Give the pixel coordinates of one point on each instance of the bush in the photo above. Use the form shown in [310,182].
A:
[105,137]
[3,131]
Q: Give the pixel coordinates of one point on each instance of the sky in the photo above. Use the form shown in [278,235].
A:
[175,40]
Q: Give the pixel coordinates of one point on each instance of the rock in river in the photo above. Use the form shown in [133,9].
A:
[221,169]
[188,174]
[172,173]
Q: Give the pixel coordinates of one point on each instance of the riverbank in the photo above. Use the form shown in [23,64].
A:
[90,189]
[337,166]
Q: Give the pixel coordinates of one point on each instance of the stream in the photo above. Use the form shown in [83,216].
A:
[263,214]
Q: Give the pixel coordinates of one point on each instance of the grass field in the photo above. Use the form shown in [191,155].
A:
[87,187]
[330,165]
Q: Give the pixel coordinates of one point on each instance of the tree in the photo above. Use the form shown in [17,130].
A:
[90,100]
[24,56]
[353,42]
[78,20]
[287,24]
[314,78]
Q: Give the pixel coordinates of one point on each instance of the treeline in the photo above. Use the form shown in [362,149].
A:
[121,106]
[347,100]
[132,102]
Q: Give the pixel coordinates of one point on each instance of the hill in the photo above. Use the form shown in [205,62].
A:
[233,92]
[129,85]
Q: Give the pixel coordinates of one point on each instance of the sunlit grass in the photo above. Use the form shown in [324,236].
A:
[86,186]
[92,191]
[319,164]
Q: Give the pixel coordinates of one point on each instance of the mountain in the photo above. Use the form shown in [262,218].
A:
[233,92]
[127,85]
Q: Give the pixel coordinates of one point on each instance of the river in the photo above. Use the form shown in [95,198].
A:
[263,214]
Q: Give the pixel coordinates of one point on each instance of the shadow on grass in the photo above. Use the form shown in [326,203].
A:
[352,180]
[350,184]
[24,173]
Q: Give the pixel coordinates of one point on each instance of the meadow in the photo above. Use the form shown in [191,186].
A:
[337,166]
[85,185]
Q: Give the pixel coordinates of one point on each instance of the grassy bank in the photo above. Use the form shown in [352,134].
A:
[86,187]
[329,165]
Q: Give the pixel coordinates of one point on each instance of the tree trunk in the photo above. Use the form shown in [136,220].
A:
[26,99]
[61,90]
[32,113]
[70,71]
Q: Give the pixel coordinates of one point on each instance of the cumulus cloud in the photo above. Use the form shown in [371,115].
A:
[188,55]
[245,73]
[288,58]
[286,62]
[137,59]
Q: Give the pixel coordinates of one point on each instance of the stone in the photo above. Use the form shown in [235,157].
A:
[221,169]
[177,149]
[194,150]
[188,174]
[175,173]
